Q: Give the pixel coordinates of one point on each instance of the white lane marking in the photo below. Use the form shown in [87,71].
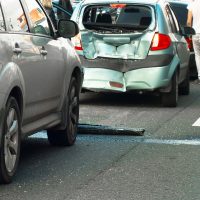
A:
[196,123]
[141,140]
[173,142]
[42,135]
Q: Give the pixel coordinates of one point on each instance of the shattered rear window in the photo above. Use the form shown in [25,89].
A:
[117,18]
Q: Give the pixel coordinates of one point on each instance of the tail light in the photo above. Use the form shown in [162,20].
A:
[189,42]
[160,42]
[118,5]
[76,41]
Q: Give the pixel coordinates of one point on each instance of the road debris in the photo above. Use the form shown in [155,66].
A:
[109,130]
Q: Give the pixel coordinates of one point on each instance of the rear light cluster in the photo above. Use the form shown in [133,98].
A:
[189,42]
[160,42]
[76,41]
[118,5]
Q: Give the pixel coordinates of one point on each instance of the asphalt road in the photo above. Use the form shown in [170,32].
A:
[162,164]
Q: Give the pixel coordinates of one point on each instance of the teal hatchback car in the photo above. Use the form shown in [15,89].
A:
[134,45]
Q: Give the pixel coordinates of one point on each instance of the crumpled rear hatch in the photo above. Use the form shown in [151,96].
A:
[122,31]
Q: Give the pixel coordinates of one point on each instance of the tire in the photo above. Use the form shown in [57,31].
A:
[10,141]
[170,99]
[67,137]
[184,88]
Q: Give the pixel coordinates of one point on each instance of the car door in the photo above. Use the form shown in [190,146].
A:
[180,42]
[38,56]
[51,68]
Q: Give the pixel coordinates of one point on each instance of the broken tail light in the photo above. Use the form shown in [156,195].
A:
[76,41]
[160,42]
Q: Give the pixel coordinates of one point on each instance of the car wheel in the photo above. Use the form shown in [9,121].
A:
[170,99]
[184,87]
[10,141]
[67,137]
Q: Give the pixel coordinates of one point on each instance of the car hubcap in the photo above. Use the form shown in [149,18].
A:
[73,110]
[11,140]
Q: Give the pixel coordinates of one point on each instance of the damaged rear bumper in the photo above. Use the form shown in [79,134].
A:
[102,77]
[96,79]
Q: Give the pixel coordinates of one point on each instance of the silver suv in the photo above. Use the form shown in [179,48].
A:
[40,80]
[132,45]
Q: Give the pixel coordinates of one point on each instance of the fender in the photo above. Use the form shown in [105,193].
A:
[174,66]
[72,61]
[11,77]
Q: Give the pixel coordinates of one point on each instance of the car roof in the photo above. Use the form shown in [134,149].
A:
[121,1]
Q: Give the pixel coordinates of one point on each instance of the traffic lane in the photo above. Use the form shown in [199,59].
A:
[104,167]
[143,111]
[50,173]
[149,171]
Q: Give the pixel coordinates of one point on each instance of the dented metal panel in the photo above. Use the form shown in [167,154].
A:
[129,48]
[126,46]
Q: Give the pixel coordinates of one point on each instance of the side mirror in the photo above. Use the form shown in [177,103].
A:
[187,31]
[67,28]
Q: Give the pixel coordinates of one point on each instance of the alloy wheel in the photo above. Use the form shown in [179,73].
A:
[11,140]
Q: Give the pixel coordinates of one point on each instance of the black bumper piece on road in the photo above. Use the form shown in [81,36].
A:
[108,130]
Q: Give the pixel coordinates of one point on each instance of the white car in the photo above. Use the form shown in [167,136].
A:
[40,80]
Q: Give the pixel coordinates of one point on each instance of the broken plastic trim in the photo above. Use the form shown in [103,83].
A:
[108,130]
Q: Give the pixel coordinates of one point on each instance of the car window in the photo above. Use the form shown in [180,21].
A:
[16,18]
[171,20]
[135,15]
[2,22]
[38,18]
[176,23]
[62,9]
[121,16]
[180,12]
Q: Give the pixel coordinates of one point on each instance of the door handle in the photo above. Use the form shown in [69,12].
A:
[43,51]
[17,50]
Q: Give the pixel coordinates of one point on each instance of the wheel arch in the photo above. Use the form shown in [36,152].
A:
[170,75]
[78,74]
[17,94]
[175,67]
[12,84]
